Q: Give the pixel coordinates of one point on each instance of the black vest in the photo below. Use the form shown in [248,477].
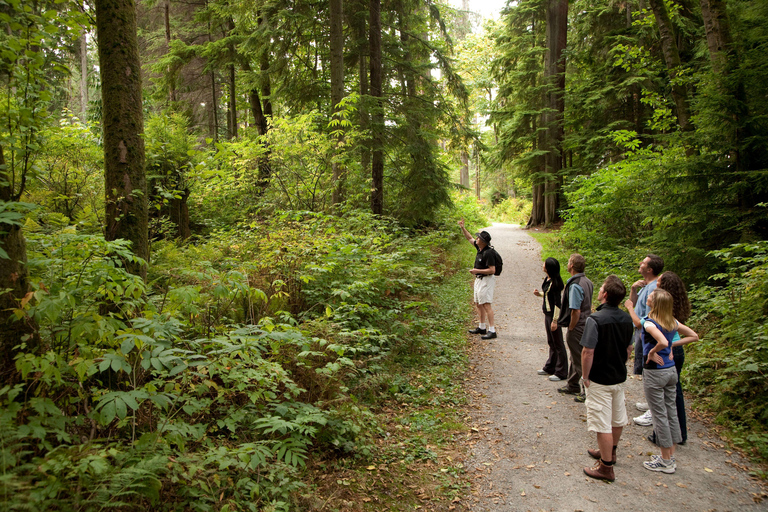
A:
[614,335]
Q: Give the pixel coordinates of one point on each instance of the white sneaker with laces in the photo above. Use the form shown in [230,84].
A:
[657,464]
[644,420]
[555,378]
[642,406]
[542,372]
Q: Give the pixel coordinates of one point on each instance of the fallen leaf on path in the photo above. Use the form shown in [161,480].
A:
[708,470]
[681,485]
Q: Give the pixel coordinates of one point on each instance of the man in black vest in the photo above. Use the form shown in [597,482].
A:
[576,308]
[607,344]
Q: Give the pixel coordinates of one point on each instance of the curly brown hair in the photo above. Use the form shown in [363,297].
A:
[672,283]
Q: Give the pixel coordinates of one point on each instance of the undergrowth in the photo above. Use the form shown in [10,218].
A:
[247,363]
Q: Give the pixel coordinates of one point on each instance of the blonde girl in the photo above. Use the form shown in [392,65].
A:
[660,376]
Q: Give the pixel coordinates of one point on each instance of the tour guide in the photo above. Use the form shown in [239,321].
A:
[485,280]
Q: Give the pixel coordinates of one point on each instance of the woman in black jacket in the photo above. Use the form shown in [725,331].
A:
[551,289]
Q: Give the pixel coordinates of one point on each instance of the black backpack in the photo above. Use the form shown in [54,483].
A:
[499,262]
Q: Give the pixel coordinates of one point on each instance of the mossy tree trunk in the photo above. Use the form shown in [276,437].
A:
[123,123]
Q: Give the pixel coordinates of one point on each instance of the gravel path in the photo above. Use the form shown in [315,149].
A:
[528,442]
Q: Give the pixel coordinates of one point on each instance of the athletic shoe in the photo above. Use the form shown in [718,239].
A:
[642,406]
[477,330]
[657,464]
[581,398]
[542,372]
[651,438]
[564,390]
[555,378]
[644,420]
[488,336]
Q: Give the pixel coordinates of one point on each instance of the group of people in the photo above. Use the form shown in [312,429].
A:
[601,342]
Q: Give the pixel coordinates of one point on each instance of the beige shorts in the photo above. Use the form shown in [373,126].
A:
[605,407]
[484,289]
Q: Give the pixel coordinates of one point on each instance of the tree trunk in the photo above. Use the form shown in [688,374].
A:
[232,110]
[337,89]
[167,22]
[557,32]
[377,164]
[14,285]
[83,77]
[261,120]
[725,60]
[672,60]
[123,122]
[464,176]
[363,50]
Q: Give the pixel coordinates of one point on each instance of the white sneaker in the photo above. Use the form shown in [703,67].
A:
[644,420]
[542,372]
[642,406]
[657,464]
[555,378]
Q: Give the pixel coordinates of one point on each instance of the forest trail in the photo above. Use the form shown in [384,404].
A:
[528,443]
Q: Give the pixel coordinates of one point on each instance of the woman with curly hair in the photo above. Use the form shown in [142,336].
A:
[681,309]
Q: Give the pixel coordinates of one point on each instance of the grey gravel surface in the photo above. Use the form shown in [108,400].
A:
[528,442]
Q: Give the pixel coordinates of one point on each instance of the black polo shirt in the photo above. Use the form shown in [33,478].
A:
[485,258]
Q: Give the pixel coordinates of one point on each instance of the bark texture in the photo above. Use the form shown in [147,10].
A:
[672,59]
[123,121]
[337,85]
[377,117]
[14,279]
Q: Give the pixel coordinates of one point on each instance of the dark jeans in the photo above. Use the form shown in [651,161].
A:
[574,347]
[679,355]
[557,362]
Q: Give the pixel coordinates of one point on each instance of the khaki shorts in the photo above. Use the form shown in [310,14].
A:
[484,289]
[605,407]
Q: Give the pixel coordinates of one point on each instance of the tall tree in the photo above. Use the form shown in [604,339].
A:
[337,85]
[674,65]
[377,116]
[123,124]
[552,117]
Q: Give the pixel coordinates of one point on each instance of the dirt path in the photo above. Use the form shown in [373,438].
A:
[528,443]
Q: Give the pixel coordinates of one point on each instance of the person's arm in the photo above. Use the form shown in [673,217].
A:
[689,336]
[661,342]
[630,305]
[575,315]
[588,343]
[587,356]
[466,233]
[635,288]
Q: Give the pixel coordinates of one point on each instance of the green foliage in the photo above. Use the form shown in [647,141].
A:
[726,369]
[201,386]
[512,210]
[70,178]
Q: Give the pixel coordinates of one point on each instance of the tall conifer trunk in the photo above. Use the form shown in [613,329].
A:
[377,164]
[337,87]
[672,60]
[123,121]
